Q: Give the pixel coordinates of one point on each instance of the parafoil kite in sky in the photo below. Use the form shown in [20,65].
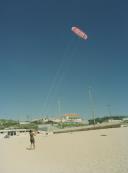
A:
[79,33]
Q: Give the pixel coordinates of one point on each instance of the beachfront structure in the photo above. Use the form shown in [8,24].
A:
[72,117]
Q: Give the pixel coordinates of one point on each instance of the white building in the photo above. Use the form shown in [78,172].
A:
[72,117]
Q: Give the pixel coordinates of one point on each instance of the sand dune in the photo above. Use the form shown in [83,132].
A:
[96,151]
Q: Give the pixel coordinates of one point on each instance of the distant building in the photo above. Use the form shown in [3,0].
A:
[72,117]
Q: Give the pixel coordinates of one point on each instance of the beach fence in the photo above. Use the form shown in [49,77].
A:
[6,133]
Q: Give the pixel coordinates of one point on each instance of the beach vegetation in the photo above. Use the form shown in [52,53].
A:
[4,123]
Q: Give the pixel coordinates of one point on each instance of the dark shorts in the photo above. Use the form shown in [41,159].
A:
[32,141]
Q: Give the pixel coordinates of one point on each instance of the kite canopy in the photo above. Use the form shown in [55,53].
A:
[79,33]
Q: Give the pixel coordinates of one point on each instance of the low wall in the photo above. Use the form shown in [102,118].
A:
[90,127]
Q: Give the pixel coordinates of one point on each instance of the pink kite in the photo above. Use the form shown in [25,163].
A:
[79,32]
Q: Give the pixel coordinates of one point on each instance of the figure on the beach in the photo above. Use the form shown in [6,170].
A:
[32,139]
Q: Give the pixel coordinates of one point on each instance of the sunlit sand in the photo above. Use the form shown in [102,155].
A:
[95,151]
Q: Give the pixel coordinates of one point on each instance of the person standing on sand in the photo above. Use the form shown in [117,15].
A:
[32,139]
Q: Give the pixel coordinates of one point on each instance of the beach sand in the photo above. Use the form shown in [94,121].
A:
[94,151]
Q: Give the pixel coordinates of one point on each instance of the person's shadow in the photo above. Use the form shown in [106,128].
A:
[29,148]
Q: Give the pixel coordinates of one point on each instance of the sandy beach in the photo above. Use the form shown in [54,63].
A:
[94,151]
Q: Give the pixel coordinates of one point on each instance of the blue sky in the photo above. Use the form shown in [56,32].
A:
[46,69]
